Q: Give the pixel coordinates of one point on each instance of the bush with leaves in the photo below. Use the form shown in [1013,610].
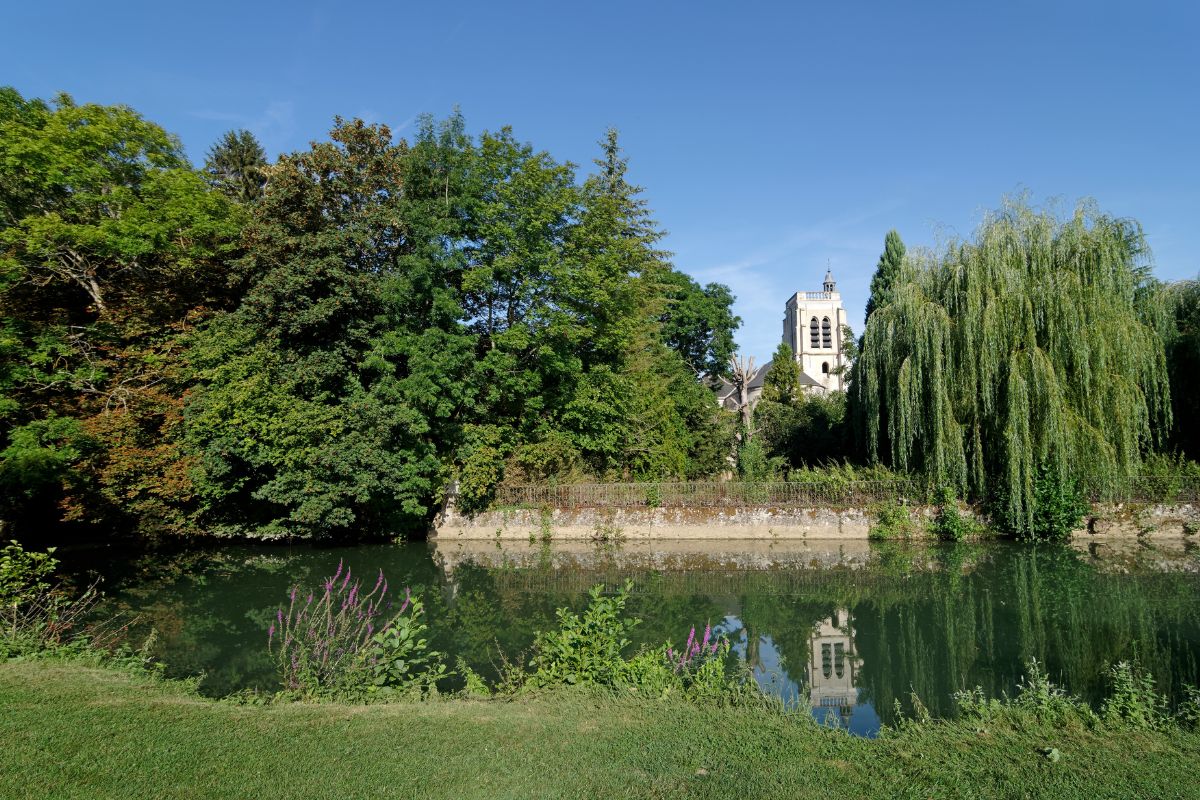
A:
[587,650]
[949,523]
[1059,506]
[1133,700]
[36,615]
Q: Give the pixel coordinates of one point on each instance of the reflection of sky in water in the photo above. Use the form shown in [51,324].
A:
[773,676]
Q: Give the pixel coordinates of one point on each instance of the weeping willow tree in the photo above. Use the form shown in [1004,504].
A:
[1026,349]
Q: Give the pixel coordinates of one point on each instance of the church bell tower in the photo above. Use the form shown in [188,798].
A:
[812,327]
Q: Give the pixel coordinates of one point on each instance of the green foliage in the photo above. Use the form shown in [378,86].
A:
[586,648]
[313,349]
[236,165]
[753,464]
[892,520]
[1132,700]
[399,657]
[949,523]
[1024,346]
[1059,506]
[38,617]
[328,397]
[111,244]
[1037,697]
[699,323]
[887,272]
[23,574]
[1181,333]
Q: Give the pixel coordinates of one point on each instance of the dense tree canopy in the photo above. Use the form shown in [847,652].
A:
[315,348]
[1020,350]
[1182,303]
[111,245]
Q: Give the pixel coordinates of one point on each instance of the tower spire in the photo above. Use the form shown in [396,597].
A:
[830,284]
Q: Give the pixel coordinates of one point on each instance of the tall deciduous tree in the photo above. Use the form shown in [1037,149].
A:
[1021,349]
[699,323]
[331,396]
[110,245]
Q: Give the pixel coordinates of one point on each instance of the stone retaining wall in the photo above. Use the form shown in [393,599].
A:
[764,523]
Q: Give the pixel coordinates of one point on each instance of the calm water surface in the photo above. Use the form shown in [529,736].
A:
[852,628]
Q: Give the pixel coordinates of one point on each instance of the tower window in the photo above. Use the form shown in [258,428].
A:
[814,328]
[826,333]
[825,368]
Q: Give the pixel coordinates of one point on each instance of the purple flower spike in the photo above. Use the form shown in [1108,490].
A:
[337,574]
[279,615]
[378,582]
[346,580]
[293,594]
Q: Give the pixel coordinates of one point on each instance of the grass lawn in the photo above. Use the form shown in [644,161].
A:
[68,730]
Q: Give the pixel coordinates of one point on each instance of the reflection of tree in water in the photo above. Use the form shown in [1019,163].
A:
[925,620]
[210,609]
[956,630]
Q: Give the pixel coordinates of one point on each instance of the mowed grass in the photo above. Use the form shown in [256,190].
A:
[74,731]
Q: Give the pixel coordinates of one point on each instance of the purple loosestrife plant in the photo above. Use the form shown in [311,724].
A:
[695,653]
[346,641]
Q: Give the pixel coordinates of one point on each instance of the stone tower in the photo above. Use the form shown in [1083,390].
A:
[812,326]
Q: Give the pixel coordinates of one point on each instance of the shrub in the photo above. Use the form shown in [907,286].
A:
[1133,700]
[892,521]
[36,615]
[949,524]
[1036,696]
[1059,506]
[586,648]
[348,643]
[23,574]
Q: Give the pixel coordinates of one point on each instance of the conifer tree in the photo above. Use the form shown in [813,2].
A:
[237,166]
[886,272]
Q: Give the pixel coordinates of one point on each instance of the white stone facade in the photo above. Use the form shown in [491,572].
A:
[812,327]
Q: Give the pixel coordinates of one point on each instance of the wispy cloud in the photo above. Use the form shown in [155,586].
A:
[273,125]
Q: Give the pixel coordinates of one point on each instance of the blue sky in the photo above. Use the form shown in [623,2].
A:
[772,138]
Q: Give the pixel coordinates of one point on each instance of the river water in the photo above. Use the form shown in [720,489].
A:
[855,630]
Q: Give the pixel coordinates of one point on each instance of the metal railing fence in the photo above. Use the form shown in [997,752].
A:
[784,494]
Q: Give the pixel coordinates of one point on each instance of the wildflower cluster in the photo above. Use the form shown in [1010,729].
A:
[344,639]
[694,653]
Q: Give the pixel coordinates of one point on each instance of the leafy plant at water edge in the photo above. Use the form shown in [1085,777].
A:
[1036,694]
[348,642]
[1059,506]
[23,574]
[949,524]
[36,615]
[892,521]
[586,648]
[1133,700]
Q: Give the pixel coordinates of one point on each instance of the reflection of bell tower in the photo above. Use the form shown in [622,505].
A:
[833,665]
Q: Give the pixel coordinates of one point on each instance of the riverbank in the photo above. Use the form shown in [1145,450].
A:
[1106,522]
[73,731]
